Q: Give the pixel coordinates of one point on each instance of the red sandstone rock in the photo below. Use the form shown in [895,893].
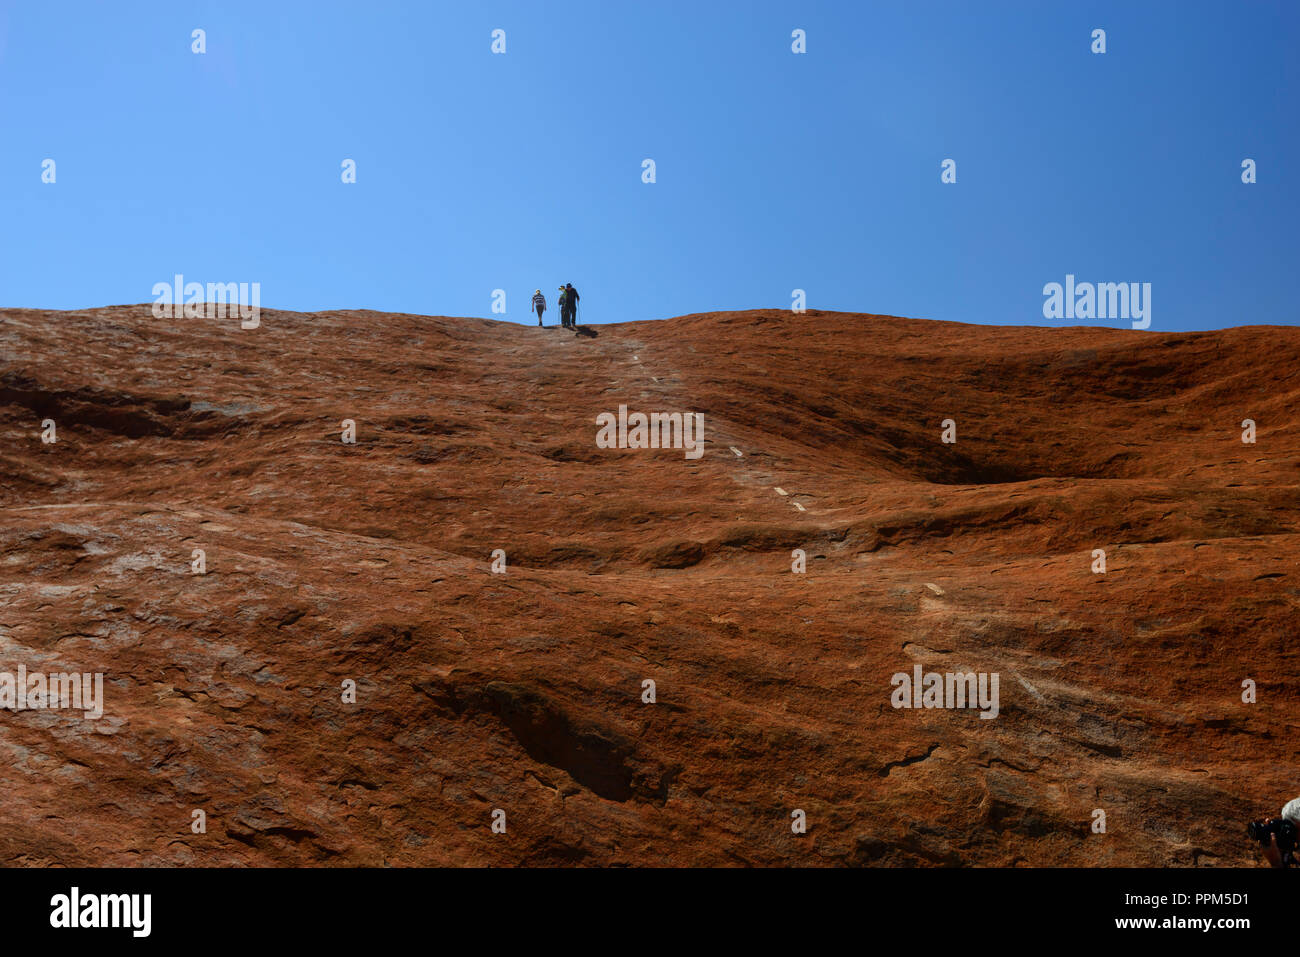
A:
[523,691]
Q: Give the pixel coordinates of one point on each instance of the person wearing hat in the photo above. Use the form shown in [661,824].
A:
[539,305]
[564,308]
[571,303]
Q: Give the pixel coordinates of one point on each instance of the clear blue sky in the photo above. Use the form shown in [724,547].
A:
[775,171]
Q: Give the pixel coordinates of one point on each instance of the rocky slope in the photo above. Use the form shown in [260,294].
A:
[371,562]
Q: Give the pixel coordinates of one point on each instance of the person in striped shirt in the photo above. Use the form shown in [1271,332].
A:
[539,305]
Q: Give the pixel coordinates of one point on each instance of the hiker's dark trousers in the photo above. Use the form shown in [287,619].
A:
[540,310]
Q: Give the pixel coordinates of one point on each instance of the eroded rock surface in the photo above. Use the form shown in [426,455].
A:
[522,691]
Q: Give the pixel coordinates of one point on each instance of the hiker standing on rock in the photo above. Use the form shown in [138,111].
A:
[564,308]
[539,305]
[571,303]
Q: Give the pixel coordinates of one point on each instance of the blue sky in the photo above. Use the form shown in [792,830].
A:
[775,171]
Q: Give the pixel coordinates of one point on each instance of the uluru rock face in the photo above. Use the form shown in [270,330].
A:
[328,563]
